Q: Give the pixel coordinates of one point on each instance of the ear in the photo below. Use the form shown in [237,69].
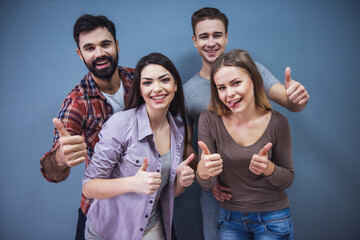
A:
[226,36]
[117,46]
[175,87]
[80,55]
[194,40]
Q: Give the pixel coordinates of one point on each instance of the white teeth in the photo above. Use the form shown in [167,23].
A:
[158,97]
[103,62]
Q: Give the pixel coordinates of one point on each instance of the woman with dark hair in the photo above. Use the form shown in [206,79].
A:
[246,146]
[136,169]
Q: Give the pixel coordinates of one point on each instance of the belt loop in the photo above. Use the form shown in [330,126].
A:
[259,217]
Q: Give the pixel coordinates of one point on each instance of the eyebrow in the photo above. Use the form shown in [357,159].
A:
[162,76]
[205,34]
[90,44]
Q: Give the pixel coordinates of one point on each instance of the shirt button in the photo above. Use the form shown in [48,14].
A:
[146,216]
[158,170]
[151,201]
[141,229]
[137,161]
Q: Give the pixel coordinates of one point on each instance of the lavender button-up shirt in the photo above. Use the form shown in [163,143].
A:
[124,140]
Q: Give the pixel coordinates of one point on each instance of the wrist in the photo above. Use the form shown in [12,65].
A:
[270,169]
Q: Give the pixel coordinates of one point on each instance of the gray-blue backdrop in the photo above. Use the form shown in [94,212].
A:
[319,40]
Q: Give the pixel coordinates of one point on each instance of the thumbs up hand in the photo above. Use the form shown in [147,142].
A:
[260,164]
[294,90]
[72,149]
[210,165]
[146,182]
[185,174]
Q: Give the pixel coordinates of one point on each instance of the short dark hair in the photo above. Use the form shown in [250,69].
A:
[208,13]
[177,106]
[240,59]
[87,23]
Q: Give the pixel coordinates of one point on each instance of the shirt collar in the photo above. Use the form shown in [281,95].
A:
[144,128]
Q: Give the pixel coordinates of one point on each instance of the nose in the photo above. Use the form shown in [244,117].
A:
[230,92]
[211,42]
[157,86]
[99,52]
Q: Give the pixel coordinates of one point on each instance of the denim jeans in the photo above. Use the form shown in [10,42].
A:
[255,225]
[210,210]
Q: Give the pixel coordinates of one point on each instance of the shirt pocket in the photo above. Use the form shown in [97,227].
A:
[131,162]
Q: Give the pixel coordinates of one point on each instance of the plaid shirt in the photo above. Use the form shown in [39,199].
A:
[83,112]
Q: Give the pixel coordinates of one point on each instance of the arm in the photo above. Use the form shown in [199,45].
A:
[143,182]
[292,95]
[210,165]
[69,148]
[279,169]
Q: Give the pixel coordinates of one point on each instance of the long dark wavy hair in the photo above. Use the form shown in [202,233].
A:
[177,105]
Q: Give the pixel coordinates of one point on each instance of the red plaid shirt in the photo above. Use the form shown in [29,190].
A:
[83,112]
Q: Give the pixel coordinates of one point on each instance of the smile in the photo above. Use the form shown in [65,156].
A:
[158,98]
[233,103]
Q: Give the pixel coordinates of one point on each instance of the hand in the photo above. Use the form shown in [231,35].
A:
[210,165]
[185,174]
[260,164]
[72,150]
[294,90]
[146,182]
[221,192]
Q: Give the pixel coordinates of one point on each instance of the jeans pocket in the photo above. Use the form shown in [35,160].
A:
[221,221]
[281,225]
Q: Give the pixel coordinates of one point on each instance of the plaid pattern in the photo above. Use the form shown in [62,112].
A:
[83,112]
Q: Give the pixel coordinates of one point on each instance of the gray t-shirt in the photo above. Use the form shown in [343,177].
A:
[197,93]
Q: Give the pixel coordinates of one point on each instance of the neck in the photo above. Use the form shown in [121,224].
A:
[245,116]
[158,119]
[108,86]
[205,70]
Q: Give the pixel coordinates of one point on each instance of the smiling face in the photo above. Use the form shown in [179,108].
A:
[235,88]
[99,51]
[157,87]
[210,39]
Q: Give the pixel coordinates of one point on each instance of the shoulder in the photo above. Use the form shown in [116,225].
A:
[278,121]
[209,116]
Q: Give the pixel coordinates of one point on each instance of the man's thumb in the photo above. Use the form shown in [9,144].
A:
[60,127]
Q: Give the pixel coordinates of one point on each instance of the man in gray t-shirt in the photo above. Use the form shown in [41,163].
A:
[210,37]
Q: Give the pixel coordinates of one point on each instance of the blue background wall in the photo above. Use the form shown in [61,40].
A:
[319,40]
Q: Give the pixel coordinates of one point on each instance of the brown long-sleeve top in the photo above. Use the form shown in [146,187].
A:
[250,192]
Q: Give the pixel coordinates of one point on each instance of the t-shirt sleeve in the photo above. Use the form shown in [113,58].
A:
[283,174]
[268,78]
[204,134]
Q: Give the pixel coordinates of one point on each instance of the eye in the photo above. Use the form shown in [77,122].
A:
[146,83]
[217,35]
[203,37]
[220,88]
[88,49]
[165,80]
[236,83]
[105,45]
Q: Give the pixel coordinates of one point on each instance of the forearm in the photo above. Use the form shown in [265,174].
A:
[281,177]
[107,188]
[206,184]
[51,170]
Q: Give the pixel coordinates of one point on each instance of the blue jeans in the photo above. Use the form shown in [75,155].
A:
[255,225]
[210,210]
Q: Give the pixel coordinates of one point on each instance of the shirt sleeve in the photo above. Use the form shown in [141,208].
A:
[268,78]
[204,134]
[72,115]
[283,174]
[107,152]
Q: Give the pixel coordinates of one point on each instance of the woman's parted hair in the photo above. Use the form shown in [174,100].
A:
[241,59]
